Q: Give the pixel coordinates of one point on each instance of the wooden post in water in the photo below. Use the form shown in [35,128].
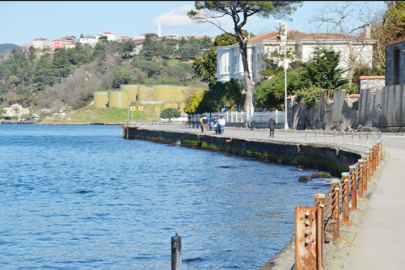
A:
[176,252]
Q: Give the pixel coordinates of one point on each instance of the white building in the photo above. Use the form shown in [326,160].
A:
[92,41]
[41,43]
[110,36]
[229,60]
[15,110]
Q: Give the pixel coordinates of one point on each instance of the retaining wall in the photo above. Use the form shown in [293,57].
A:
[310,156]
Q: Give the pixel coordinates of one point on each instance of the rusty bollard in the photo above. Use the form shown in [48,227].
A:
[335,211]
[305,238]
[360,178]
[353,190]
[366,170]
[176,252]
[345,198]
[320,234]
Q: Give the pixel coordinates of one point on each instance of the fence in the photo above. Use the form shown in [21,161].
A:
[321,136]
[312,222]
[242,117]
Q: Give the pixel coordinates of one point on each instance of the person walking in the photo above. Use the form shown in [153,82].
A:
[222,125]
[216,123]
[201,122]
[272,126]
[205,123]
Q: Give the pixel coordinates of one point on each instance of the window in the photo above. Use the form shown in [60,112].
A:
[397,59]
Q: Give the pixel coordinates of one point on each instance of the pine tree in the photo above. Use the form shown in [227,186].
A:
[323,70]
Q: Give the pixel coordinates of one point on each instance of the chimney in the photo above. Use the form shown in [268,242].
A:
[367,31]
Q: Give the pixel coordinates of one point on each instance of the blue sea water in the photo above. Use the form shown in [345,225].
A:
[82,197]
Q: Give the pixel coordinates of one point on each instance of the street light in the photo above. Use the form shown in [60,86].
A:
[283,30]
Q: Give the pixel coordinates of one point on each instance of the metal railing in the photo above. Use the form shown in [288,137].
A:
[333,209]
[313,136]
[242,117]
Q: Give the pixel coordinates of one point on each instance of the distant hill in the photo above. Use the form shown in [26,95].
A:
[4,47]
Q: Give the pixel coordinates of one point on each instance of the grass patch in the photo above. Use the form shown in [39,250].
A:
[91,114]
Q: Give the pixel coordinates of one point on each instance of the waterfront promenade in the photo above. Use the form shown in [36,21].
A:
[377,241]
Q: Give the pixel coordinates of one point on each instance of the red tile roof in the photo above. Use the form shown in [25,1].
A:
[296,35]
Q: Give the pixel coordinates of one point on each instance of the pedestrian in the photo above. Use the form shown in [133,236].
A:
[205,123]
[272,126]
[201,123]
[222,125]
[216,123]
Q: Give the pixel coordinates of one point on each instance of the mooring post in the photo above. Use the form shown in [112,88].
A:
[353,189]
[176,252]
[335,211]
[127,129]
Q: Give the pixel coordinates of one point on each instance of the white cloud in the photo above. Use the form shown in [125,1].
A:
[178,17]
[175,17]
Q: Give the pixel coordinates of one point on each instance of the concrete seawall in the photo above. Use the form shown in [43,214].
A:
[309,155]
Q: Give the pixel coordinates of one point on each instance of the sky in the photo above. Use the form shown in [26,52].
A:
[23,21]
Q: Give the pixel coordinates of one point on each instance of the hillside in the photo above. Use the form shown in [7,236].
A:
[41,79]
[7,46]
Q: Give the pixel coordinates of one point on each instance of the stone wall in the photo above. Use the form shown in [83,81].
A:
[311,156]
[371,82]
[335,115]
[382,108]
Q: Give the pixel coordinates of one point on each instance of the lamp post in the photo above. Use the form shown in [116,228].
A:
[283,30]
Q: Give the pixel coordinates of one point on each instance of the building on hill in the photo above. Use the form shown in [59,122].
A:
[229,60]
[41,43]
[25,47]
[15,111]
[92,41]
[110,36]
[57,43]
[124,38]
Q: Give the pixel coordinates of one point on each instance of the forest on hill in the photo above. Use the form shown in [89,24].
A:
[8,46]
[68,77]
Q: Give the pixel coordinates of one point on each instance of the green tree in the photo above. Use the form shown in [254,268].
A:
[270,93]
[103,38]
[205,66]
[150,67]
[323,70]
[121,76]
[170,113]
[310,96]
[239,12]
[193,103]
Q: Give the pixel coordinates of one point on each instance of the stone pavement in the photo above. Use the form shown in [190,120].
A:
[379,241]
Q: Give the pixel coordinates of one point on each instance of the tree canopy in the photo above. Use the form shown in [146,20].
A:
[170,113]
[239,12]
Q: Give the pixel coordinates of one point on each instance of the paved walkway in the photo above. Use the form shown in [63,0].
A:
[380,241]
